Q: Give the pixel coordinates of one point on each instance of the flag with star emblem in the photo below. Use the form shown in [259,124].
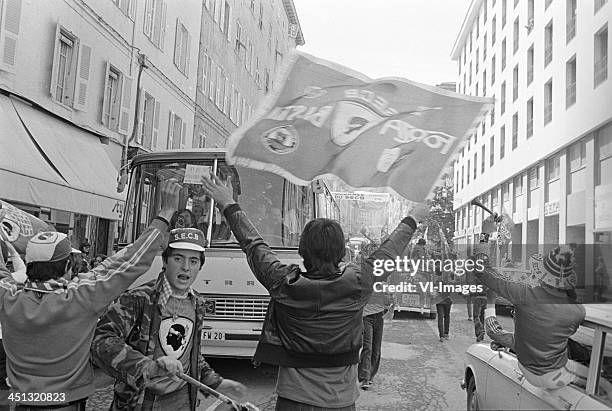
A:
[325,119]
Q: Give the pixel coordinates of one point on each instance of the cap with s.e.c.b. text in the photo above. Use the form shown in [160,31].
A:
[187,239]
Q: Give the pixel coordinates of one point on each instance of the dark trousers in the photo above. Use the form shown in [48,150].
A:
[468,303]
[369,359]
[480,303]
[443,318]
[284,404]
[78,405]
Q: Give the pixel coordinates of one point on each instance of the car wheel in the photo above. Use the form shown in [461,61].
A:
[472,396]
[433,315]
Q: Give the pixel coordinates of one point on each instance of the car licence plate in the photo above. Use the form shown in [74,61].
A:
[411,300]
[213,335]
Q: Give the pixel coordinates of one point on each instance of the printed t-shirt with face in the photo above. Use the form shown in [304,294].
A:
[175,339]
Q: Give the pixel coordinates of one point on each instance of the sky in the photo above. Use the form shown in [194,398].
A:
[412,39]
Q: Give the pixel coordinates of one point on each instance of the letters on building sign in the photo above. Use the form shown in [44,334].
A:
[551,208]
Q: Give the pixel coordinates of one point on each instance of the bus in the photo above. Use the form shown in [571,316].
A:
[236,302]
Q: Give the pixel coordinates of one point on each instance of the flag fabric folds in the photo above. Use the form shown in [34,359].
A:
[323,118]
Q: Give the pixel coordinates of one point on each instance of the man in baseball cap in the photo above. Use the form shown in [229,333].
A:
[174,313]
[52,318]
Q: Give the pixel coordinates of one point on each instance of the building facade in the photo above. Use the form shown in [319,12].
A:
[242,47]
[544,153]
[72,73]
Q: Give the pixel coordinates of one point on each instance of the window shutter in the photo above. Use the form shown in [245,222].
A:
[82,83]
[187,57]
[105,101]
[170,130]
[140,128]
[132,10]
[10,34]
[177,44]
[126,102]
[58,30]
[183,134]
[155,125]
[148,18]
[163,27]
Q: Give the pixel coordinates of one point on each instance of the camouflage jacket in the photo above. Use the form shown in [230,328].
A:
[125,340]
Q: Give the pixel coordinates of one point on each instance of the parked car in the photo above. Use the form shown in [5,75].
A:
[492,379]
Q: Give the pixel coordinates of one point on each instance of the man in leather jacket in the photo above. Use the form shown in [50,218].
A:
[313,325]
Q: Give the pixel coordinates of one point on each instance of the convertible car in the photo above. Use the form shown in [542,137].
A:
[492,379]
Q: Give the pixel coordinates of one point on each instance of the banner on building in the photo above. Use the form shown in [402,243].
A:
[324,119]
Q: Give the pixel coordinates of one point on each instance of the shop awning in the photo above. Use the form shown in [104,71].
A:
[50,163]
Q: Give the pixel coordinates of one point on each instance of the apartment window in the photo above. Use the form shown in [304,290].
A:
[470,40]
[515,37]
[503,54]
[199,141]
[127,7]
[601,56]
[476,89]
[457,181]
[534,177]
[484,129]
[206,72]
[515,81]
[475,165]
[484,48]
[470,74]
[548,102]
[530,117]
[267,81]
[211,83]
[577,156]
[177,129]
[467,181]
[599,4]
[503,98]
[547,3]
[570,20]
[477,27]
[182,48]
[492,71]
[477,60]
[491,151]
[518,185]
[548,43]
[530,15]
[155,22]
[494,199]
[261,12]
[504,6]
[514,131]
[64,67]
[530,57]
[493,111]
[570,82]
[148,121]
[462,175]
[110,109]
[515,3]
[220,91]
[240,45]
[493,30]
[502,142]
[225,19]
[552,168]
[482,159]
[484,11]
[484,82]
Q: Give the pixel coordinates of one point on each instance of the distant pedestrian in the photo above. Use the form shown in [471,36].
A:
[602,279]
[479,301]
[443,307]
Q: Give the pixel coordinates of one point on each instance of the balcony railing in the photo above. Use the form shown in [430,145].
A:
[529,127]
[547,55]
[570,94]
[548,114]
[601,70]
[570,28]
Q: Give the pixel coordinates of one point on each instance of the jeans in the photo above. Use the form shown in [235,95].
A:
[369,359]
[480,303]
[443,318]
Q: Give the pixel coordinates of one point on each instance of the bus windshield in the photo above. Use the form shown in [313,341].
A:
[278,209]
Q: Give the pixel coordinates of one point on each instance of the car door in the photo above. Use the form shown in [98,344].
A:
[535,398]
[504,381]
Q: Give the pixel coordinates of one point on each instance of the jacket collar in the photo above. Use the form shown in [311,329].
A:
[49,286]
[165,291]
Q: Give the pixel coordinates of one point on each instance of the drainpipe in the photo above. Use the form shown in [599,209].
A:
[123,175]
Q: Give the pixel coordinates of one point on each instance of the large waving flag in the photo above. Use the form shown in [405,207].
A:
[327,119]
